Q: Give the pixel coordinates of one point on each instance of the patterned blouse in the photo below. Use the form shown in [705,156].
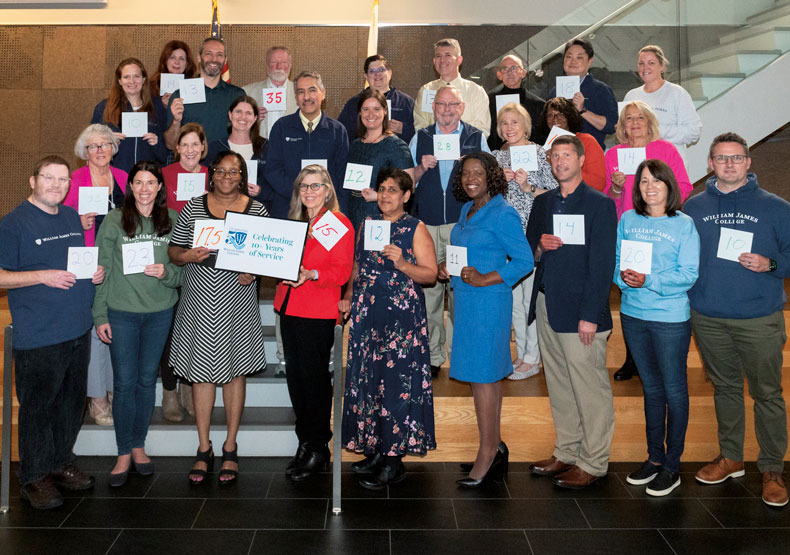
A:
[542,179]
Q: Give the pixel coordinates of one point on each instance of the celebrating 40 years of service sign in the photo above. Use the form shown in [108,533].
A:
[262,246]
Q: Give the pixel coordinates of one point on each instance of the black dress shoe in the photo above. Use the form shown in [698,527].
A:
[496,472]
[315,461]
[297,459]
[387,474]
[369,464]
[435,370]
[628,369]
[502,448]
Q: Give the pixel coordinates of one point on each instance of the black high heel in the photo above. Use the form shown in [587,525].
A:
[497,472]
[207,457]
[229,456]
[502,448]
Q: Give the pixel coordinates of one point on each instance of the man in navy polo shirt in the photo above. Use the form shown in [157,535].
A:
[51,315]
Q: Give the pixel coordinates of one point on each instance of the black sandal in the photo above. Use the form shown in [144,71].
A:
[207,457]
[229,456]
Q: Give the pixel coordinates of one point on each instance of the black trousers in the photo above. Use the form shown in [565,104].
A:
[307,344]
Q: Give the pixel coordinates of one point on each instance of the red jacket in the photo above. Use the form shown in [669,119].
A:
[319,298]
[594,168]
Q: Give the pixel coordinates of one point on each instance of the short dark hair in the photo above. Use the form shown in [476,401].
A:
[661,171]
[572,140]
[216,162]
[495,177]
[51,160]
[565,107]
[399,176]
[375,58]
[729,137]
[212,39]
[588,49]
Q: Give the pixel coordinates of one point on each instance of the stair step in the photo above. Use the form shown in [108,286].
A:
[746,62]
[263,390]
[773,39]
[710,85]
[771,14]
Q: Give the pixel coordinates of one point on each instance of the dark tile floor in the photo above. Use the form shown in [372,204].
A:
[427,513]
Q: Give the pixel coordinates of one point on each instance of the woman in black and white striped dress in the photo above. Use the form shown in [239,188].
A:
[217,334]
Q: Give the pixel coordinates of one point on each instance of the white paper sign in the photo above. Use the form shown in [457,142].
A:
[262,246]
[569,228]
[190,185]
[136,256]
[193,91]
[377,234]
[169,82]
[636,256]
[502,99]
[93,199]
[134,124]
[389,108]
[446,147]
[455,260]
[83,261]
[427,100]
[252,172]
[733,243]
[209,234]
[567,85]
[553,134]
[274,98]
[328,230]
[357,176]
[271,118]
[628,159]
[620,106]
[317,161]
[524,157]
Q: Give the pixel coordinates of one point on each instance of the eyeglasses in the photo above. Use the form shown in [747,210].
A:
[735,158]
[381,69]
[100,146]
[311,186]
[50,179]
[222,172]
[510,69]
[443,105]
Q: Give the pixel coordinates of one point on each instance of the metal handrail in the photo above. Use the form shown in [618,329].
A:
[337,448]
[5,464]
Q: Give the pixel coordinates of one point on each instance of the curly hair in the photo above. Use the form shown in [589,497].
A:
[567,109]
[495,177]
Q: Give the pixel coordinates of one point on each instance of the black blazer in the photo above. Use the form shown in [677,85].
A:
[576,278]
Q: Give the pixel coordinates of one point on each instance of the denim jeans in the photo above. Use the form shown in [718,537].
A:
[50,386]
[660,351]
[137,343]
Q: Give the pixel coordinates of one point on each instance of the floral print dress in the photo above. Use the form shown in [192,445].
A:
[388,404]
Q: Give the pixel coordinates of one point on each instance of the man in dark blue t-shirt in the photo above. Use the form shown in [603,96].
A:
[51,315]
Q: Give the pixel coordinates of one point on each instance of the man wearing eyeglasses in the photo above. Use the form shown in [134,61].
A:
[447,61]
[378,73]
[736,311]
[278,62]
[51,315]
[436,205]
[512,73]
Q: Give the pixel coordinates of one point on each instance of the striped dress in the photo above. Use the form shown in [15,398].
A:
[217,333]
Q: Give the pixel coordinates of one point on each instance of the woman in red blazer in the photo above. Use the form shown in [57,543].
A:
[308,313]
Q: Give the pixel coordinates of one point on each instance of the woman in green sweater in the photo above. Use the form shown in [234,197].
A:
[133,308]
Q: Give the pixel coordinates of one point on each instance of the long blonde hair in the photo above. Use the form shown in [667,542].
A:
[298,211]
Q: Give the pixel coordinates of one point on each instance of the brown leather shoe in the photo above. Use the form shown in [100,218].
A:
[774,490]
[42,494]
[575,478]
[719,470]
[549,467]
[72,478]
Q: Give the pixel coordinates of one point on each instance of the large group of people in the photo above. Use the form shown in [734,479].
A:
[503,215]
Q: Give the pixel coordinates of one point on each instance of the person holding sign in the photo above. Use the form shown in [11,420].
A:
[388,378]
[672,104]
[736,311]
[436,205]
[140,138]
[638,128]
[217,334]
[376,146]
[244,137]
[133,308]
[573,231]
[97,144]
[50,312]
[514,127]
[595,101]
[657,263]
[308,309]
[560,112]
[177,59]
[191,148]
[498,256]
[278,65]
[447,61]
[378,73]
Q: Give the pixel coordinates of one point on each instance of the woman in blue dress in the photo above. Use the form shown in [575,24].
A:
[388,408]
[497,257]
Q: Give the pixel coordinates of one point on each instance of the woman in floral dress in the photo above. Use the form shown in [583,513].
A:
[388,408]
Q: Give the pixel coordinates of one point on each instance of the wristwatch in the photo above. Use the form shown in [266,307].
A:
[772,265]
[582,111]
